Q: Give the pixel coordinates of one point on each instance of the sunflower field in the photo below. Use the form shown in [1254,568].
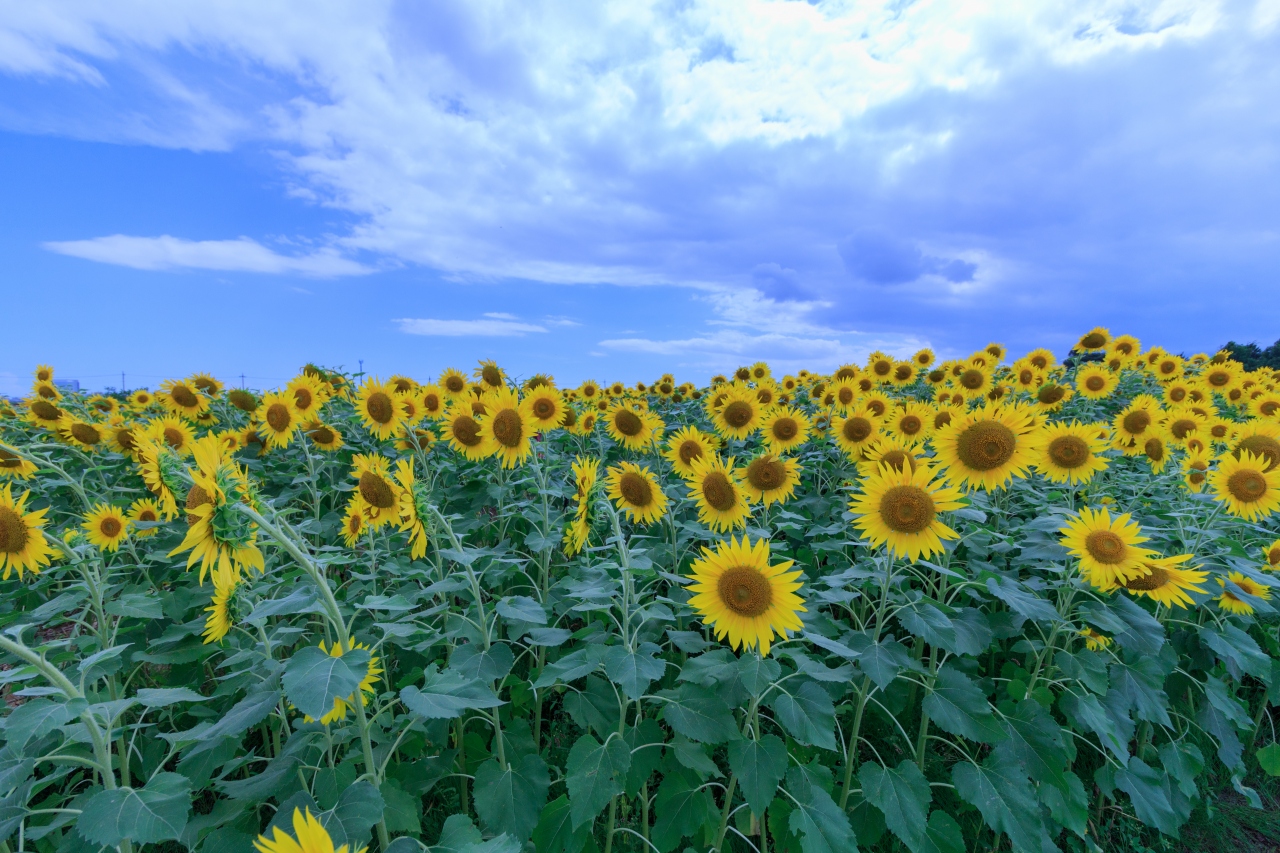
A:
[934,606]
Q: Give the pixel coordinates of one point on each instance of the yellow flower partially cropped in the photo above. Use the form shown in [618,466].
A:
[899,507]
[23,547]
[1165,583]
[13,466]
[219,622]
[1094,640]
[1248,485]
[219,536]
[1107,548]
[341,705]
[744,598]
[378,493]
[309,836]
[411,510]
[1233,603]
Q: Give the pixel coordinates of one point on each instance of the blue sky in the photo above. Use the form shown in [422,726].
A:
[619,189]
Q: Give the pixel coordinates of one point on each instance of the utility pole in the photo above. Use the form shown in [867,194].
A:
[241,381]
[361,366]
[122,385]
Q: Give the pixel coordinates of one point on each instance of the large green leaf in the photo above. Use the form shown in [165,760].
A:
[1035,740]
[699,714]
[807,714]
[475,661]
[313,678]
[1022,600]
[816,819]
[942,835]
[1141,685]
[34,719]
[157,812]
[759,766]
[882,660]
[445,695]
[633,671]
[596,773]
[902,794]
[682,806]
[1240,651]
[1148,790]
[509,800]
[1269,759]
[1087,714]
[555,832]
[249,711]
[958,706]
[1000,790]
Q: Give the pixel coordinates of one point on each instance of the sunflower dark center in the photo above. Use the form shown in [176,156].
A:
[303,397]
[86,433]
[903,372]
[1093,340]
[690,450]
[1026,376]
[972,379]
[882,367]
[1167,368]
[745,591]
[1247,486]
[1182,427]
[376,491]
[13,531]
[9,460]
[719,492]
[897,459]
[278,417]
[846,373]
[1106,547]
[110,527]
[1136,422]
[491,375]
[1260,445]
[937,375]
[455,384]
[766,473]
[1154,449]
[196,496]
[636,490]
[941,419]
[380,407]
[1273,556]
[738,414]
[1196,478]
[785,429]
[907,509]
[1269,407]
[986,445]
[1157,578]
[569,418]
[1219,378]
[1069,451]
[466,430]
[322,435]
[743,373]
[242,400]
[47,392]
[431,402]
[856,428]
[174,437]
[45,410]
[1177,395]
[877,407]
[184,397]
[765,396]
[628,423]
[147,515]
[508,429]
[1050,394]
[543,408]
[910,425]
[1095,383]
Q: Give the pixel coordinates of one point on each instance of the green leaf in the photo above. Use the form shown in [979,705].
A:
[314,678]
[521,608]
[14,770]
[1021,600]
[1005,798]
[157,812]
[1140,686]
[807,714]
[633,671]
[596,773]
[942,835]
[682,806]
[163,697]
[1219,695]
[1148,791]
[1069,806]
[1238,650]
[883,660]
[1145,635]
[34,719]
[1184,762]
[926,621]
[1087,714]
[1035,740]
[301,600]
[759,766]
[903,795]
[758,674]
[249,711]
[509,800]
[403,810]
[644,758]
[475,661]
[1269,759]
[958,706]
[272,778]
[555,832]
[816,819]
[136,604]
[445,695]
[699,714]
[973,631]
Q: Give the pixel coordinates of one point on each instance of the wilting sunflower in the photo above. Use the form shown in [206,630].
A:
[1071,453]
[378,492]
[218,535]
[1095,339]
[634,489]
[160,469]
[413,509]
[739,415]
[586,473]
[721,499]
[912,422]
[376,405]
[899,507]
[13,466]
[987,447]
[1106,547]
[1050,396]
[1163,582]
[1261,438]
[770,478]
[368,685]
[507,428]
[310,835]
[686,446]
[1094,640]
[490,375]
[175,432]
[106,527]
[544,406]
[23,547]
[742,597]
[1095,382]
[278,418]
[855,431]
[144,511]
[634,429]
[180,397]
[219,621]
[1248,484]
[785,428]
[1233,603]
[577,534]
[1136,424]
[462,430]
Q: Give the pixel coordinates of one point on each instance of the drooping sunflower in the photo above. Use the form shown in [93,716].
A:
[13,466]
[715,488]
[160,468]
[1095,382]
[368,685]
[987,447]
[739,415]
[911,422]
[278,418]
[219,621]
[1106,547]
[461,429]
[686,446]
[744,598]
[78,432]
[490,375]
[144,511]
[544,406]
[379,493]
[634,488]
[182,398]
[1093,340]
[376,405]
[1261,438]
[899,507]
[577,534]
[1233,603]
[175,432]
[42,413]
[106,526]
[1071,453]
[1248,485]
[1163,582]
[218,535]
[770,478]
[506,428]
[23,547]
[855,431]
[785,428]
[412,509]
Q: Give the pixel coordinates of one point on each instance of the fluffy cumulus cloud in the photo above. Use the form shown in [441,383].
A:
[948,171]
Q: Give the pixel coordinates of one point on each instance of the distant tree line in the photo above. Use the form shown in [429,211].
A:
[1253,356]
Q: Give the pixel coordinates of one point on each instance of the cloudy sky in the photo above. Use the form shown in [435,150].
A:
[617,189]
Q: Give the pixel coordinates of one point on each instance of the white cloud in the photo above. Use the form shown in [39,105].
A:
[487,328]
[169,253]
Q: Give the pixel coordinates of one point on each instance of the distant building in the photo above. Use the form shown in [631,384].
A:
[67,384]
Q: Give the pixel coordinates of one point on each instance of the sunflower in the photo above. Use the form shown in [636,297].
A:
[13,466]
[278,418]
[1271,554]
[23,546]
[180,397]
[577,533]
[78,432]
[218,535]
[634,429]
[714,486]
[379,493]
[1027,377]
[924,358]
[42,413]
[1178,391]
[245,401]
[742,597]
[433,401]
[462,430]
[453,384]
[144,511]
[844,394]
[416,439]
[911,422]
[973,381]
[175,432]
[1167,367]
[140,400]
[1158,449]
[1248,484]
[44,373]
[1095,382]
[46,391]
[106,527]
[376,405]
[1265,405]
[1095,339]
[899,507]
[309,393]
[1260,438]
[739,415]
[1135,424]
[785,428]
[160,470]
[353,521]
[634,489]
[1093,640]
[1182,423]
[686,446]
[104,405]
[855,431]
[219,621]
[412,508]
[544,406]
[904,373]
[506,429]
[1233,603]
[1071,453]
[1195,469]
[770,478]
[1050,396]
[490,375]
[368,684]
[987,447]
[1164,583]
[887,451]
[880,366]
[1106,547]
[1221,377]
[310,835]
[578,424]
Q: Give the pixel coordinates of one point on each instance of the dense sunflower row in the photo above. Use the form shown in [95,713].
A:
[909,445]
